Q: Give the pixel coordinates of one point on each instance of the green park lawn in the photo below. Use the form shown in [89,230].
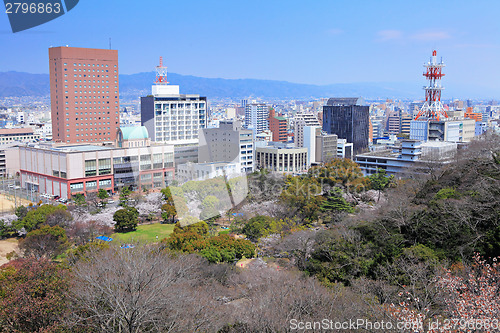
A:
[145,233]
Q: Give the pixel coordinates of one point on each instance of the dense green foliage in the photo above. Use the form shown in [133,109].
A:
[192,225]
[79,199]
[125,193]
[6,230]
[36,217]
[256,227]
[379,181]
[445,220]
[335,202]
[303,196]
[194,238]
[46,242]
[340,172]
[126,219]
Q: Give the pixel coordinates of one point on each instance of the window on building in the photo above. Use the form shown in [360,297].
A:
[104,166]
[145,162]
[90,168]
[92,185]
[168,160]
[105,183]
[76,187]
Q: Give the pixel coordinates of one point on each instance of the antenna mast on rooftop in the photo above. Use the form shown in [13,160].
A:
[161,73]
[433,107]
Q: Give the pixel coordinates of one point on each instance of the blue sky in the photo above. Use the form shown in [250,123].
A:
[318,42]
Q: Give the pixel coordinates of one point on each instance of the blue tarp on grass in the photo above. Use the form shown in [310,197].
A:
[104,238]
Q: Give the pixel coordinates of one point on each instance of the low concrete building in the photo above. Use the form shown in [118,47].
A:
[412,156]
[282,159]
[453,130]
[185,153]
[10,135]
[65,170]
[202,171]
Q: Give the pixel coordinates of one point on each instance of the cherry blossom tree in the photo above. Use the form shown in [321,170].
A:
[470,297]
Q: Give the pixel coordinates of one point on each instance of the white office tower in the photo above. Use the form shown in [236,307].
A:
[310,133]
[301,120]
[256,117]
[171,117]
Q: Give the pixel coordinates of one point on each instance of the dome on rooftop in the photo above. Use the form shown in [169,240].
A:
[134,132]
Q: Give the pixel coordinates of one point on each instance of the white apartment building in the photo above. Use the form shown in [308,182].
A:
[256,117]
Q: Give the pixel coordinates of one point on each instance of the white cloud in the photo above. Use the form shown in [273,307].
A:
[386,35]
[431,35]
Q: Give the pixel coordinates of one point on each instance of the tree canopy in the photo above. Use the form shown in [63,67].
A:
[126,219]
[36,217]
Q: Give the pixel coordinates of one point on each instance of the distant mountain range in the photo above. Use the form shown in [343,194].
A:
[14,84]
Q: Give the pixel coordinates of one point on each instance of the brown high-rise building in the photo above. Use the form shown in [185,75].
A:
[84,94]
[277,125]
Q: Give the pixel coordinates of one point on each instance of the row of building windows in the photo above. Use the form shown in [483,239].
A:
[100,77]
[88,70]
[92,92]
[165,106]
[90,185]
[84,81]
[87,65]
[87,140]
[84,86]
[90,134]
[87,124]
[16,138]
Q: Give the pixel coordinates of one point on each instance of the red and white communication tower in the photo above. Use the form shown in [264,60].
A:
[433,107]
[161,73]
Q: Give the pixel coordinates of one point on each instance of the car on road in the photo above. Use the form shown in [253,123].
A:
[111,201]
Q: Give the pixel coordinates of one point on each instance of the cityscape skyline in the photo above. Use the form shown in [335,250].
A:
[370,43]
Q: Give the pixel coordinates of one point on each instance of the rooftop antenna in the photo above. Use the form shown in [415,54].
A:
[110,43]
[433,108]
[161,73]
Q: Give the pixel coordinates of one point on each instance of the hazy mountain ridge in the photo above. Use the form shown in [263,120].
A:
[13,84]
